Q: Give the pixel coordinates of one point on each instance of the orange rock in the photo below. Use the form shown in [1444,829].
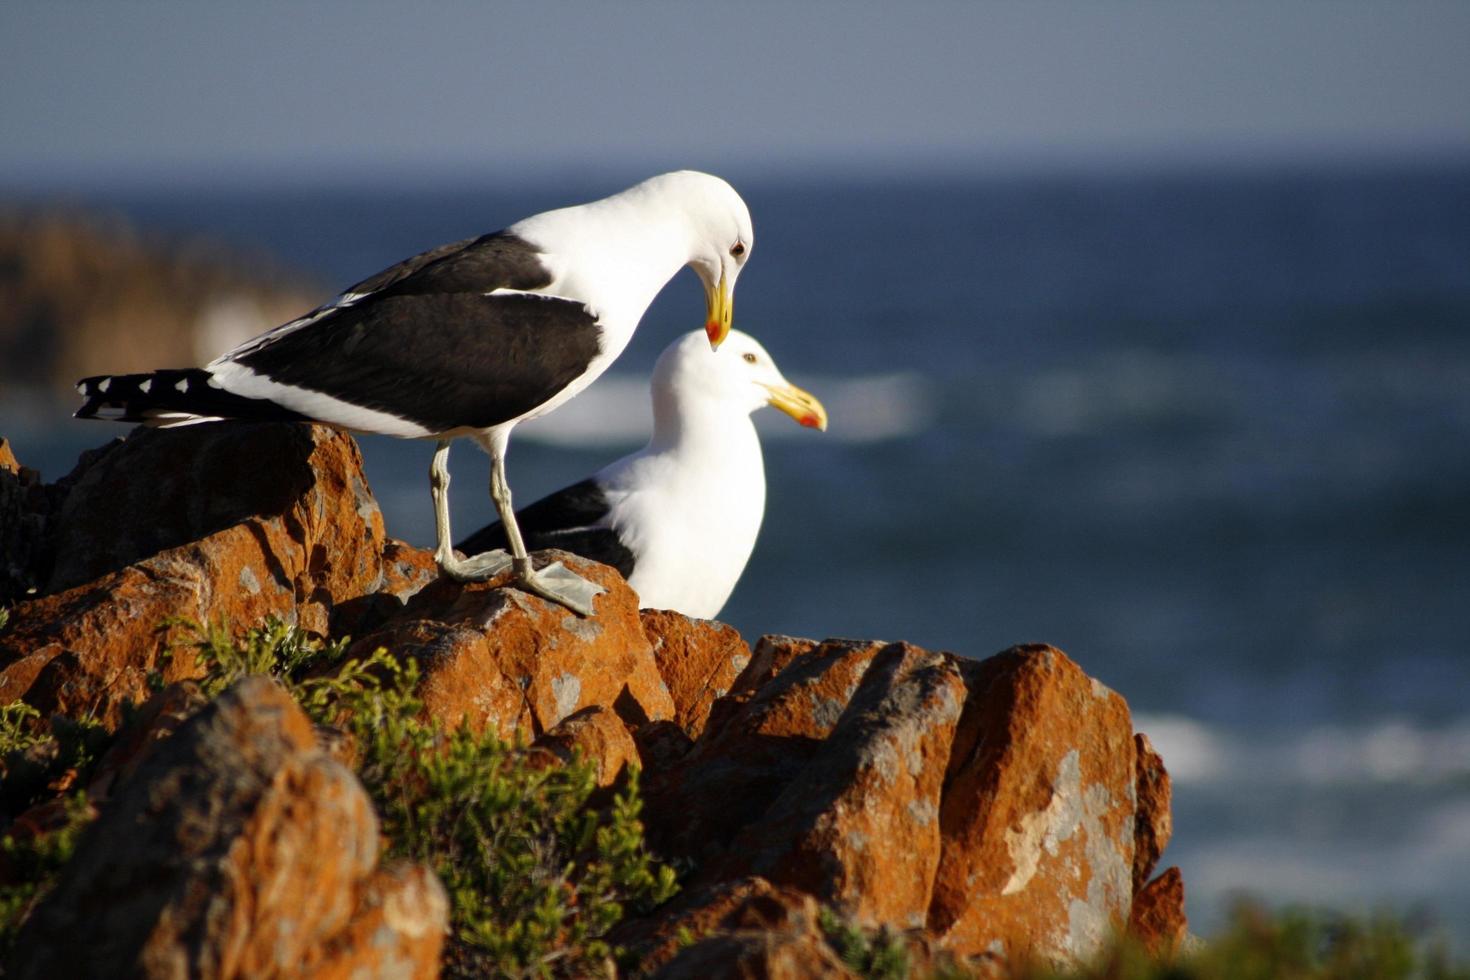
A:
[1037,817]
[158,718]
[1153,823]
[744,903]
[496,656]
[397,930]
[754,744]
[462,682]
[858,827]
[237,849]
[698,659]
[1158,919]
[298,488]
[662,746]
[757,954]
[406,570]
[89,651]
[230,522]
[772,654]
[598,736]
[746,928]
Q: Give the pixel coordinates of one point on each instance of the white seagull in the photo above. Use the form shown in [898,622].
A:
[678,518]
[469,339]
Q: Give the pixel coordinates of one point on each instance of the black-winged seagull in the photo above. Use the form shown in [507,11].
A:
[469,339]
[678,518]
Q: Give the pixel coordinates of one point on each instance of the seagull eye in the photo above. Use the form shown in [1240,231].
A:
[749,358]
[738,249]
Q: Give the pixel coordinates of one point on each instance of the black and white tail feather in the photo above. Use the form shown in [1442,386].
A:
[171,398]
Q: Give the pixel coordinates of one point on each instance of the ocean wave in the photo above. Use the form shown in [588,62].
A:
[1390,751]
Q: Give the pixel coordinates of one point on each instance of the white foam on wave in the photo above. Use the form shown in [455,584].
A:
[1345,817]
[615,412]
[1383,752]
[1421,862]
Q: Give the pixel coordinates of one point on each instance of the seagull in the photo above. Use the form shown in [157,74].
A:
[470,339]
[679,517]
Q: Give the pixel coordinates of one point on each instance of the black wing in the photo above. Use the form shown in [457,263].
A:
[422,341]
[564,520]
[495,261]
[439,359]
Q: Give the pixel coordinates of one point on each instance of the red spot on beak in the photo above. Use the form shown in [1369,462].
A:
[810,421]
[712,331]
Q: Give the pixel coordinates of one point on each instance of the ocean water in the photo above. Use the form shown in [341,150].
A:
[1210,435]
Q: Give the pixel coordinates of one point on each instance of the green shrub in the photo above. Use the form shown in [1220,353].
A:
[879,954]
[1290,944]
[536,877]
[32,864]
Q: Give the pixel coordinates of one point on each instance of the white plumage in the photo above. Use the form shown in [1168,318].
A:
[679,517]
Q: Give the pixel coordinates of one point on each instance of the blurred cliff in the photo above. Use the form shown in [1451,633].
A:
[83,293]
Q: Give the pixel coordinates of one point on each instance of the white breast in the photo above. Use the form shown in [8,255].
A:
[690,513]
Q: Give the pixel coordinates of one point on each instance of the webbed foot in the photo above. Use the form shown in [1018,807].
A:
[559,584]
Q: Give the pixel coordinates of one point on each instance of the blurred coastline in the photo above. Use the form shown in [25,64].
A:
[1206,432]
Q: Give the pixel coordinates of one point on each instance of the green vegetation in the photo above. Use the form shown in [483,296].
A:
[39,763]
[879,954]
[536,876]
[17,728]
[32,864]
[1292,944]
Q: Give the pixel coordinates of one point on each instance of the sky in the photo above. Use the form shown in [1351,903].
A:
[180,89]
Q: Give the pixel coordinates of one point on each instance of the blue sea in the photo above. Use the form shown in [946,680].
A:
[1209,434]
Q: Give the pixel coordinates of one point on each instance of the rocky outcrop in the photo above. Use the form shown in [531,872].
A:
[992,804]
[239,850]
[501,658]
[699,660]
[747,928]
[225,523]
[988,810]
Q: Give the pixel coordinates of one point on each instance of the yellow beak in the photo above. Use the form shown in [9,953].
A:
[800,405]
[721,310]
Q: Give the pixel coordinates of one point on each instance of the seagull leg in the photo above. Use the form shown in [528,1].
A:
[555,582]
[473,569]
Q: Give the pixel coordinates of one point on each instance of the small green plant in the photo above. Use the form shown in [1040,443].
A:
[1291,944]
[273,649]
[36,763]
[18,728]
[32,863]
[879,954]
[536,876]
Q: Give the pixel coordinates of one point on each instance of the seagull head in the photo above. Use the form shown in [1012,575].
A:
[741,376]
[721,242]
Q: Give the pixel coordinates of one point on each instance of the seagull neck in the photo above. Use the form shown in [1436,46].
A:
[654,244]
[617,253]
[697,425]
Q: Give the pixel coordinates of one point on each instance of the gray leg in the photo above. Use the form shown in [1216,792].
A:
[555,582]
[474,569]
